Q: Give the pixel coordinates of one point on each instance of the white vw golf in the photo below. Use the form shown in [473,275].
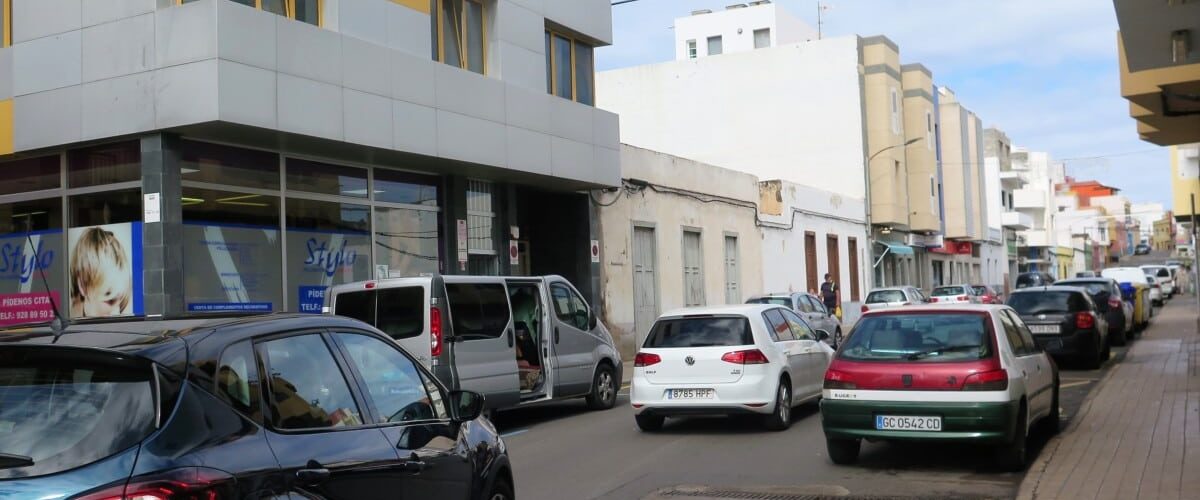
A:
[751,359]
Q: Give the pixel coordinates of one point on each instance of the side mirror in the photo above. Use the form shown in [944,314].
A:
[822,335]
[466,405]
[591,322]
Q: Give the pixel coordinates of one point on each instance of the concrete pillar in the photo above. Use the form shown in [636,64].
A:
[454,208]
[162,242]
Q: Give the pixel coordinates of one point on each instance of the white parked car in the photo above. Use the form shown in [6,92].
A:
[1162,275]
[970,374]
[895,296]
[754,359]
[955,294]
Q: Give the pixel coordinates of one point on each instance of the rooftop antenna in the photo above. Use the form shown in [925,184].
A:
[58,324]
[820,7]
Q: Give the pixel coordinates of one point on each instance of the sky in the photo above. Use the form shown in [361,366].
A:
[1043,71]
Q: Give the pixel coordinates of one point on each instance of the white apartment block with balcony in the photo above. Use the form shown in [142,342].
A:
[740,28]
[1035,245]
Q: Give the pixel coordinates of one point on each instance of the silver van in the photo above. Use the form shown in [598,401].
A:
[517,340]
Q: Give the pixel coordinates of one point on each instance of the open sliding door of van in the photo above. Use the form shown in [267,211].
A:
[481,338]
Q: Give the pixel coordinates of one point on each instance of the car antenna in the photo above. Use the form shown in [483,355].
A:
[58,324]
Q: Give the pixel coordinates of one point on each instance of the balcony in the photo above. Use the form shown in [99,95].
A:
[1016,220]
[1014,178]
[1035,238]
[1029,199]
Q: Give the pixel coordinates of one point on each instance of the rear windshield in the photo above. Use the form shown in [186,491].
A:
[885,296]
[779,301]
[1046,302]
[700,332]
[980,290]
[946,291]
[63,411]
[398,312]
[1028,279]
[1092,287]
[918,338]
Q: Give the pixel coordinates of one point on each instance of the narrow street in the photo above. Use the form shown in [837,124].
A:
[564,447]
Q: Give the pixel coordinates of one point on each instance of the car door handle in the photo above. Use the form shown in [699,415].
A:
[310,477]
[556,335]
[414,466]
[510,337]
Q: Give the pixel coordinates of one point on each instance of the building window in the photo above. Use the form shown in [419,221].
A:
[231,251]
[929,130]
[570,68]
[106,164]
[691,49]
[460,29]
[308,11]
[481,218]
[714,45]
[895,111]
[762,38]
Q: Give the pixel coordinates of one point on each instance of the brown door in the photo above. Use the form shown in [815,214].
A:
[810,259]
[852,249]
[835,266]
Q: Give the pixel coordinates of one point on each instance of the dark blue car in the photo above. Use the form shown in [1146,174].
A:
[270,407]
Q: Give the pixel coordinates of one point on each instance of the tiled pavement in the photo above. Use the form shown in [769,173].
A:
[1139,434]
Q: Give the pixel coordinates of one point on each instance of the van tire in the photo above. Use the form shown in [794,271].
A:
[604,388]
[649,423]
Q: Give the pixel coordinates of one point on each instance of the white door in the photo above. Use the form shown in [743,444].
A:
[645,286]
[693,270]
[814,355]
[733,292]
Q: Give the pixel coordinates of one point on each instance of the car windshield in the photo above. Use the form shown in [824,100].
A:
[946,291]
[706,331]
[879,296]
[1041,302]
[778,301]
[919,337]
[61,411]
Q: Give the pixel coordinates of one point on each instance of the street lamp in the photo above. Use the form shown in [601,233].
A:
[910,142]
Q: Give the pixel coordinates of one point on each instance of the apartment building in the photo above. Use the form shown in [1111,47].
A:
[1035,199]
[1185,181]
[960,139]
[1159,65]
[246,155]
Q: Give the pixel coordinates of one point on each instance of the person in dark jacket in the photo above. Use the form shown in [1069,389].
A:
[829,293]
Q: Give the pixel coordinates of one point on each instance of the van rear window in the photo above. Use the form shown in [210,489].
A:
[396,311]
[700,332]
[918,338]
[948,291]
[62,410]
[778,301]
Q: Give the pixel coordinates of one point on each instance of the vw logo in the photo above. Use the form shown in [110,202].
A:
[689,360]
[1041,316]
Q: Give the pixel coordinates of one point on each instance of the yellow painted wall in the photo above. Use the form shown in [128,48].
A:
[1184,181]
[419,5]
[6,126]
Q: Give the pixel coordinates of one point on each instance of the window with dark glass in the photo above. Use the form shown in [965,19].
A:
[104,164]
[478,310]
[231,251]
[237,380]
[394,186]
[110,207]
[307,389]
[316,177]
[218,164]
[30,174]
[406,241]
[570,68]
[308,11]
[227,207]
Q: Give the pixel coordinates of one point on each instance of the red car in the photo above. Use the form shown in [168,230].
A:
[988,294]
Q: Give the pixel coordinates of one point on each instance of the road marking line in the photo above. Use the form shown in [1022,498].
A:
[514,433]
[1073,384]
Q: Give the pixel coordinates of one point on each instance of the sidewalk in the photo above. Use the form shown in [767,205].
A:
[1138,436]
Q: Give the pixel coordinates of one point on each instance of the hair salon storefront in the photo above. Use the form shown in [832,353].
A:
[163,226]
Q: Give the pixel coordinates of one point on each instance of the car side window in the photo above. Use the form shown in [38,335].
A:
[777,326]
[478,310]
[803,304]
[237,380]
[569,307]
[817,306]
[1031,345]
[1013,334]
[399,390]
[800,329]
[306,386]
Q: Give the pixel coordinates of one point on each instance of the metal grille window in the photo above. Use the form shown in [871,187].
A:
[481,228]
[693,270]
[733,293]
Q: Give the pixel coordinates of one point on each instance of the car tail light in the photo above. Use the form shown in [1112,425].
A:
[370,285]
[646,359]
[837,379]
[933,299]
[995,380]
[190,483]
[1084,321]
[1114,303]
[962,298]
[436,338]
[747,357]
[864,308]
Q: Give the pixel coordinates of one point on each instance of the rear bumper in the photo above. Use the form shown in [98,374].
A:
[753,393]
[983,423]
[1077,344]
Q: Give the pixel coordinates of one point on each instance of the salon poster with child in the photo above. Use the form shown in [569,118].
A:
[104,270]
[24,259]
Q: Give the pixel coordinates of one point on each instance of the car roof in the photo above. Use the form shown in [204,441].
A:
[937,307]
[890,288]
[952,286]
[776,294]
[1050,288]
[1089,279]
[727,310]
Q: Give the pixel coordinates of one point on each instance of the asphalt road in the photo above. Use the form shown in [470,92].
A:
[563,451]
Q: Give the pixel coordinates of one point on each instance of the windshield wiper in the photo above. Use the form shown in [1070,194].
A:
[948,348]
[8,461]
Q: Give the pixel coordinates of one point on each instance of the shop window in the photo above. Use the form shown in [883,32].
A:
[308,11]
[328,243]
[407,242]
[570,68]
[231,251]
[105,164]
[217,164]
[323,178]
[104,247]
[393,186]
[32,174]
[460,33]
[31,245]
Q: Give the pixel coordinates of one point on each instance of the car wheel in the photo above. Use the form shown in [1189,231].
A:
[649,423]
[843,451]
[781,418]
[837,338]
[1117,338]
[604,389]
[501,491]
[1052,422]
[1107,351]
[1011,457]
[1094,359]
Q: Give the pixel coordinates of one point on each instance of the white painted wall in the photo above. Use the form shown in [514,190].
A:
[736,29]
[822,212]
[669,214]
[791,112]
[992,189]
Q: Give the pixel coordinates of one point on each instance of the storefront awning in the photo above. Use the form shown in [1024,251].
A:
[896,248]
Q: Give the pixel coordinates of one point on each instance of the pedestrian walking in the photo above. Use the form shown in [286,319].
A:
[829,295]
